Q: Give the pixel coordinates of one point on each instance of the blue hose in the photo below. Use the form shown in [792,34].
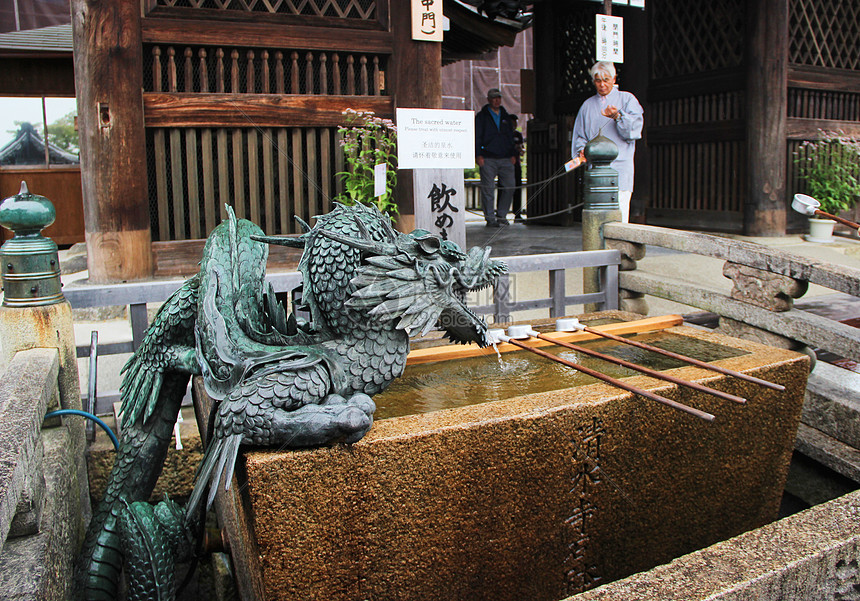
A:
[103,425]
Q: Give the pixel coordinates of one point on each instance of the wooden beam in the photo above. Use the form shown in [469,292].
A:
[820,78]
[256,110]
[810,129]
[108,71]
[710,131]
[232,33]
[711,82]
[767,102]
[216,15]
[37,76]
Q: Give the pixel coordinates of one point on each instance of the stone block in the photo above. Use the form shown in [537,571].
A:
[534,497]
[630,253]
[764,289]
[40,567]
[28,513]
[739,329]
[810,556]
[832,407]
[632,302]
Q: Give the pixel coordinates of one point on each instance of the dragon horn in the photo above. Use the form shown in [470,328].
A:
[302,223]
[292,241]
[363,230]
[369,245]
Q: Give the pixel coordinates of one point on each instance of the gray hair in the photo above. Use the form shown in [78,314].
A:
[602,67]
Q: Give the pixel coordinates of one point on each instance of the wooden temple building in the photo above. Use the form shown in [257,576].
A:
[187,104]
[730,89]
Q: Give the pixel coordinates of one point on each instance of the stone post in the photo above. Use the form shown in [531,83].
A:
[601,205]
[34,313]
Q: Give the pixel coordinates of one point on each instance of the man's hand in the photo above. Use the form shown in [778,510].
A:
[610,111]
[480,161]
[514,160]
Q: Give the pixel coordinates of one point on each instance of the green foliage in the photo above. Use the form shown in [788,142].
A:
[62,133]
[830,168]
[367,141]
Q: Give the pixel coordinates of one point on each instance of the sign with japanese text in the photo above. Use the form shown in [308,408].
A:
[440,203]
[610,39]
[427,20]
[435,139]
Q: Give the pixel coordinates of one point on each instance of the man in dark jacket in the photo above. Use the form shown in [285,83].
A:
[496,155]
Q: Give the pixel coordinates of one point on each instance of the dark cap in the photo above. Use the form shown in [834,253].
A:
[494,93]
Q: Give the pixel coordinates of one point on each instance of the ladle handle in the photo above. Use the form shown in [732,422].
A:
[851,224]
[645,370]
[690,360]
[617,383]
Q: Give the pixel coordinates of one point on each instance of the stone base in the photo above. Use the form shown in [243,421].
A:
[809,556]
[536,497]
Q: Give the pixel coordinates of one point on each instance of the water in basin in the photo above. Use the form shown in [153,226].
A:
[434,386]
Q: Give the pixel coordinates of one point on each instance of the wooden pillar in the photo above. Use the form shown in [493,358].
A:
[766,105]
[416,79]
[108,71]
[545,52]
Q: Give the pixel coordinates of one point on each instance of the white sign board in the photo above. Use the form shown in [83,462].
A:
[435,139]
[610,39]
[427,20]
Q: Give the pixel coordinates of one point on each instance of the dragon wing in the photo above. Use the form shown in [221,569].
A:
[167,346]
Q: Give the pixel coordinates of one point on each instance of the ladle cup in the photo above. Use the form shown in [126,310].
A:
[807,205]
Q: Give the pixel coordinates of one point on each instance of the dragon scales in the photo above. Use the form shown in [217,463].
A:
[276,380]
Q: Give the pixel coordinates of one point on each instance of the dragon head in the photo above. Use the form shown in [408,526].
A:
[418,280]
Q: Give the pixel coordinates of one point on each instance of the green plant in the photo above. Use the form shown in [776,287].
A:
[367,141]
[830,167]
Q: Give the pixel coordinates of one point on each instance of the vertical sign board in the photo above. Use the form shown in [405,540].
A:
[427,20]
[437,144]
[610,39]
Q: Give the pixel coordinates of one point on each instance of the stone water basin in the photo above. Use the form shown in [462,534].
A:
[535,494]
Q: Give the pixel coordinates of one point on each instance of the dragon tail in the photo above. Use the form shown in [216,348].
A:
[101,558]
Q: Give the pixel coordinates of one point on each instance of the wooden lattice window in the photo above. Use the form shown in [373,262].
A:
[340,9]
[696,37]
[824,33]
[575,30]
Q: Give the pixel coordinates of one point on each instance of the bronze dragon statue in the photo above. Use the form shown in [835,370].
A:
[277,381]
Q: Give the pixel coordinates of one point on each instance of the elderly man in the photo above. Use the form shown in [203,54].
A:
[618,116]
[495,154]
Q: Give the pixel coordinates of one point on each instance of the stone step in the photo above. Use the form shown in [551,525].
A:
[828,451]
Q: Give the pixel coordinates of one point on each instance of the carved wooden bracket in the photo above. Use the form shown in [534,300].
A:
[770,291]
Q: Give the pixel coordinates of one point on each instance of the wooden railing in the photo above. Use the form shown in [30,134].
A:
[765,283]
[137,295]
[220,70]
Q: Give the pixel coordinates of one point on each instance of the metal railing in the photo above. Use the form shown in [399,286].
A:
[137,295]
